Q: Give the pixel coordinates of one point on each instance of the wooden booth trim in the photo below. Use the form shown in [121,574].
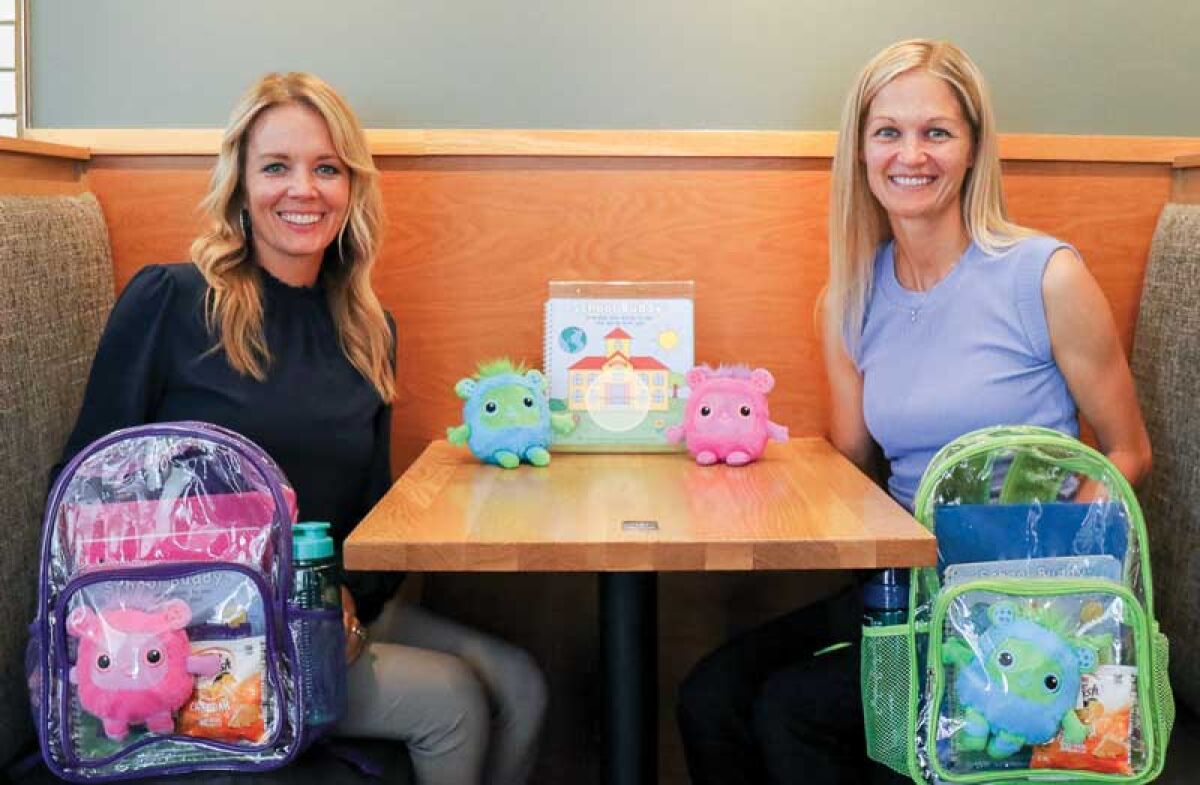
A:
[621,143]
[1185,180]
[35,168]
[1187,161]
[47,149]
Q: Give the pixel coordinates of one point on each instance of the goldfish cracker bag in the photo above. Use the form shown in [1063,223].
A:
[1105,706]
[227,706]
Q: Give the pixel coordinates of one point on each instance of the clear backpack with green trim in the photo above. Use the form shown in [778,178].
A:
[1031,651]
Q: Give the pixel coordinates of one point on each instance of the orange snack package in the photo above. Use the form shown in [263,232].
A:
[1105,706]
[229,705]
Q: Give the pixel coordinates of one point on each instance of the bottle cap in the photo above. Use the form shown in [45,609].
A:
[311,541]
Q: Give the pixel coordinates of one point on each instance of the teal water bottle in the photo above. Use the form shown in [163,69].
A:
[313,568]
[885,598]
[317,622]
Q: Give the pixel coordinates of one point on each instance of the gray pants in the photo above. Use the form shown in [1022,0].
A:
[468,706]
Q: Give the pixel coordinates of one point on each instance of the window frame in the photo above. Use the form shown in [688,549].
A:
[18,69]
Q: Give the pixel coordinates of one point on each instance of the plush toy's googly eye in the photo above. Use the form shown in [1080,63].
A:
[1005,659]
[103,662]
[490,407]
[154,656]
[528,402]
[1051,682]
[705,411]
[745,411]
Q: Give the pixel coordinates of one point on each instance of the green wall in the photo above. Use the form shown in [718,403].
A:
[1056,66]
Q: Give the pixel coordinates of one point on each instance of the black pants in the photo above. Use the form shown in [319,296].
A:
[768,707]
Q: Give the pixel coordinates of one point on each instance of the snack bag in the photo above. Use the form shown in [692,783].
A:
[1105,705]
[228,706]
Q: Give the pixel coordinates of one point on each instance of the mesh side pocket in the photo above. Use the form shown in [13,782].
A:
[1163,697]
[321,646]
[886,680]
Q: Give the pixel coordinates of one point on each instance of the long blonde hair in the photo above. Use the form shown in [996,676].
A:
[233,307]
[858,223]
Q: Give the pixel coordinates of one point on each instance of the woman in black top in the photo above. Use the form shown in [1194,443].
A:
[274,331]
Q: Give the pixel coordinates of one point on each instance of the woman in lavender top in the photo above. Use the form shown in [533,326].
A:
[941,317]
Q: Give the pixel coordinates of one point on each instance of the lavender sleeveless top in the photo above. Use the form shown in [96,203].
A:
[972,352]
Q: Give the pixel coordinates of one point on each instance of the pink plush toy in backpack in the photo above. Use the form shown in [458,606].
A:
[726,418]
[135,667]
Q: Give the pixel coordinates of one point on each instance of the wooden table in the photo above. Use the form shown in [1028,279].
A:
[627,517]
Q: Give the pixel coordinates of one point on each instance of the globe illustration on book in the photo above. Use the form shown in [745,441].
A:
[572,340]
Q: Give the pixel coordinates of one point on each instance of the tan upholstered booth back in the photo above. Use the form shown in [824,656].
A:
[56,289]
[1166,366]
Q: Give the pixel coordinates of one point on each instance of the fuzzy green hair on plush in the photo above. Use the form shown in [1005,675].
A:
[498,367]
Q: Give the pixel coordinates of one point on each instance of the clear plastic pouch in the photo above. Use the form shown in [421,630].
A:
[1022,670]
[131,667]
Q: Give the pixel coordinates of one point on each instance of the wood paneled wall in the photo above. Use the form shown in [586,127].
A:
[472,241]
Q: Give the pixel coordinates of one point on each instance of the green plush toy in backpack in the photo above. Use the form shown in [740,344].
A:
[1039,668]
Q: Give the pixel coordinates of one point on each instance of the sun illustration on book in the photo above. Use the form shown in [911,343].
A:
[667,339]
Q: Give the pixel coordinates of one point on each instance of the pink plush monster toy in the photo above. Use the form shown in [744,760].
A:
[726,418]
[135,667]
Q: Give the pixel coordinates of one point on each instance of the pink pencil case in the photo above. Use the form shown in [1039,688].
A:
[234,527]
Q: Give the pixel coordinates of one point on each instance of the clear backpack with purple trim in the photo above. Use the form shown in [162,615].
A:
[164,641]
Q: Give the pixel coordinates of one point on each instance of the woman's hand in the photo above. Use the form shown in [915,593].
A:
[356,633]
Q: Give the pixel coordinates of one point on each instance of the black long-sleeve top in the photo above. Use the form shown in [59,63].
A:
[315,414]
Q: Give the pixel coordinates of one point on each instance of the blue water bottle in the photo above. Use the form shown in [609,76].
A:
[885,598]
[317,622]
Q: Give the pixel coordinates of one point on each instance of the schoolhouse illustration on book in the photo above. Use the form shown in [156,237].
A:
[615,355]
[618,379]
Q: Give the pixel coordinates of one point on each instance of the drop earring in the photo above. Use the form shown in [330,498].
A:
[245,220]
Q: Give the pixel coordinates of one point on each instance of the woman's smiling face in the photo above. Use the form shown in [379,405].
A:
[297,191]
[917,147]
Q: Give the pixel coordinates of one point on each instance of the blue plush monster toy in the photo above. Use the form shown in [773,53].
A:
[507,416]
[1019,684]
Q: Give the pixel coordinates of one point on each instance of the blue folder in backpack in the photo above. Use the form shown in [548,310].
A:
[994,532]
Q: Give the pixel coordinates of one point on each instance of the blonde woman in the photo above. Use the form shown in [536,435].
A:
[941,316]
[274,331]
